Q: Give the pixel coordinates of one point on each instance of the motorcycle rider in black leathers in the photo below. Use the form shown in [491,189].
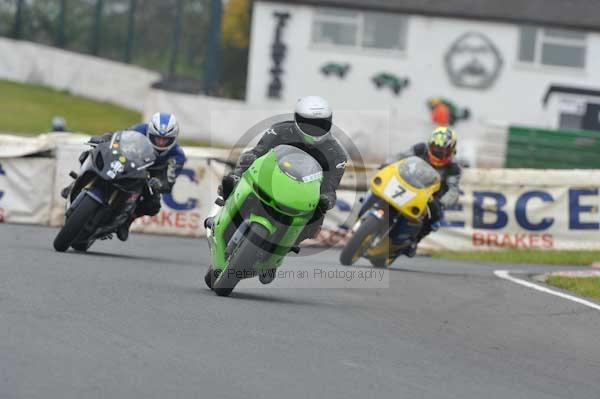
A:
[439,152]
[310,131]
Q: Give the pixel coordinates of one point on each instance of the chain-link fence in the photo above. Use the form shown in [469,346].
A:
[169,36]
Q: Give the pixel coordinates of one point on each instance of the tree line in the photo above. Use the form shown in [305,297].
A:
[169,36]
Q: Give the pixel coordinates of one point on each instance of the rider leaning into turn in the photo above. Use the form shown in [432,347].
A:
[439,152]
[162,130]
[310,131]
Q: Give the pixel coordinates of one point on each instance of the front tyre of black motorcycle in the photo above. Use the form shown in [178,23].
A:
[82,246]
[242,261]
[75,223]
[361,240]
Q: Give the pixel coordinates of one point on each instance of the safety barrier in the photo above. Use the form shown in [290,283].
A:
[499,208]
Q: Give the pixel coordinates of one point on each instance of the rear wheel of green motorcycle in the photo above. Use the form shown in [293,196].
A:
[360,241]
[243,260]
[75,223]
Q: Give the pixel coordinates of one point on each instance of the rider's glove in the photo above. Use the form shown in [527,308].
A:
[154,184]
[247,159]
[326,202]
[228,185]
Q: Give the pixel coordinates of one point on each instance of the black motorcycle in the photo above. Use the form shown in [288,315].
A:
[105,193]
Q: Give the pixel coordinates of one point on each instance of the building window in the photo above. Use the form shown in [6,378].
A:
[554,47]
[369,30]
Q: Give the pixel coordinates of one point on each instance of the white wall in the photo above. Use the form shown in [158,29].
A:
[516,96]
[84,75]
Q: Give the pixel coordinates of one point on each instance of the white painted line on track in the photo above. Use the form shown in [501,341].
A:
[504,274]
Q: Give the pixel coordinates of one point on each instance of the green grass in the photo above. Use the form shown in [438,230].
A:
[584,286]
[525,256]
[28,109]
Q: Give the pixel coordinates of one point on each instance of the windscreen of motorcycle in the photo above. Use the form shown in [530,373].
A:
[136,148]
[418,173]
[298,164]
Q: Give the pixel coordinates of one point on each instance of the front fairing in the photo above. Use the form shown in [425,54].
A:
[407,186]
[124,159]
[110,166]
[287,180]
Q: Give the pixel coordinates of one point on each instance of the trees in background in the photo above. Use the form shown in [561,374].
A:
[235,41]
[142,32]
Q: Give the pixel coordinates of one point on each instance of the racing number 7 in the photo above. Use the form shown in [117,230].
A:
[400,192]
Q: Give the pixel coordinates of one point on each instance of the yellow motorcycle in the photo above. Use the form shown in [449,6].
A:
[393,212]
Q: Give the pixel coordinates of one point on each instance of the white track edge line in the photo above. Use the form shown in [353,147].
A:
[504,274]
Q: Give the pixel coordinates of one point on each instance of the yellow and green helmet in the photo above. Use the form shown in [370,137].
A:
[442,146]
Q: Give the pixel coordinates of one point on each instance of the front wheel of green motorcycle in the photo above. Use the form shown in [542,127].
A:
[241,263]
[361,240]
[210,276]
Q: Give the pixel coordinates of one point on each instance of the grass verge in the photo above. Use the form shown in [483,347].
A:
[525,256]
[28,109]
[584,286]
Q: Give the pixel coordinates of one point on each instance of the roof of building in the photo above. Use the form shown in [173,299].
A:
[574,14]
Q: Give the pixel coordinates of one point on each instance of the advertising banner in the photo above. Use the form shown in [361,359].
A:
[498,208]
[25,187]
[523,209]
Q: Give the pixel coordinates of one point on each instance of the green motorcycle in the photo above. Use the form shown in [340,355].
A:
[260,222]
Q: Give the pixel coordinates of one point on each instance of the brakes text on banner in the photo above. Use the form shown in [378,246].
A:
[25,184]
[527,214]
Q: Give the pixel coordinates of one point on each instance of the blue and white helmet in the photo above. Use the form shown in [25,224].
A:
[163,130]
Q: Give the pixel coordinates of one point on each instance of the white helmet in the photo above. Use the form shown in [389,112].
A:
[163,130]
[313,118]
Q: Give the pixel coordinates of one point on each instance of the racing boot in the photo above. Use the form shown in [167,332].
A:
[411,250]
[123,230]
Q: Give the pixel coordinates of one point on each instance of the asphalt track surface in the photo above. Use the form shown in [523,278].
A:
[135,320]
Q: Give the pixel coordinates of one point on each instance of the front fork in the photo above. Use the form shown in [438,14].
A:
[99,196]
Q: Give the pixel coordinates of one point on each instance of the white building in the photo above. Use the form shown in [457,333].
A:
[499,59]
